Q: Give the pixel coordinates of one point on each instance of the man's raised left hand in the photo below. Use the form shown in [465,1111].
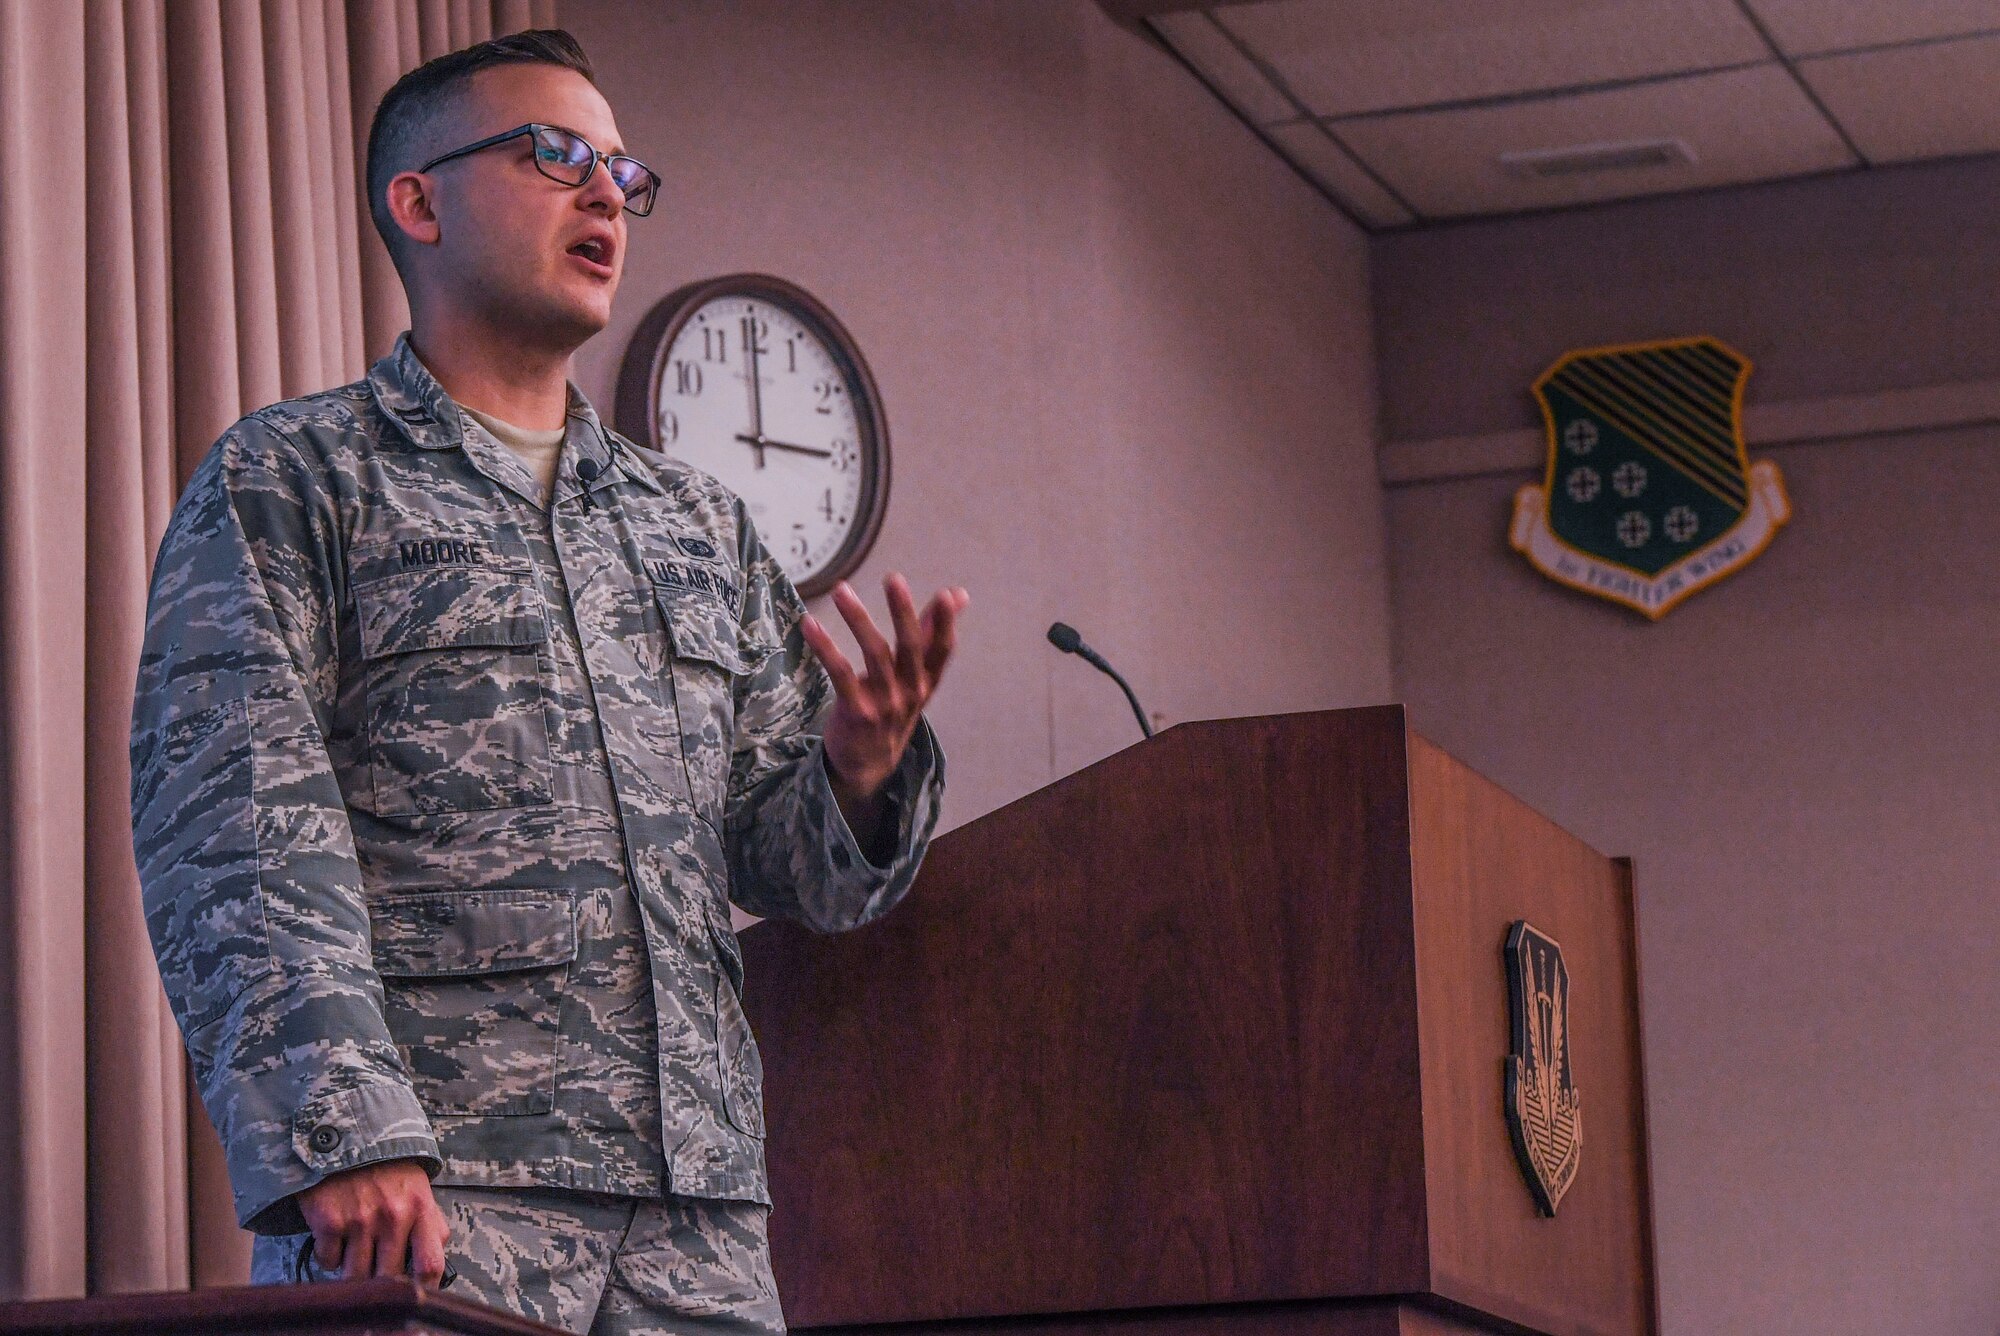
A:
[875,714]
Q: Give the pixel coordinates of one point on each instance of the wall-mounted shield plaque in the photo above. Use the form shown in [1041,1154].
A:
[1543,1108]
[1648,494]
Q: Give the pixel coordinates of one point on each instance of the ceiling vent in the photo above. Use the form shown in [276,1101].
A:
[1584,159]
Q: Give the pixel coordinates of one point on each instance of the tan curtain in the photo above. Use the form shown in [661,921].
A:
[182,238]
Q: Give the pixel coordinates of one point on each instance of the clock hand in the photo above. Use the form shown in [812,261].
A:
[756,387]
[762,441]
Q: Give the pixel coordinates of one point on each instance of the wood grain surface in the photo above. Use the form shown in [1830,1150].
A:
[1145,1037]
[1339,1317]
[330,1308]
[1484,859]
[1150,1038]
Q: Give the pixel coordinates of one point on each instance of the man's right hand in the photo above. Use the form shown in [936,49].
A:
[366,1221]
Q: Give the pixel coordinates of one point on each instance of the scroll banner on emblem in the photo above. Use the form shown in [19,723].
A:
[1649,494]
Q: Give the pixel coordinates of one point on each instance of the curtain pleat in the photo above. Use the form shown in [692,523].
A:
[510,15]
[433,27]
[166,1247]
[344,174]
[306,344]
[409,40]
[332,147]
[201,248]
[260,349]
[376,58]
[207,384]
[135,1108]
[146,73]
[42,390]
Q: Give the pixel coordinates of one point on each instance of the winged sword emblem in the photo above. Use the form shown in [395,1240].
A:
[1544,1110]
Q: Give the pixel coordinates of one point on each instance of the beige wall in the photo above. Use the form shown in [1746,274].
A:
[1127,361]
[1802,759]
[1125,352]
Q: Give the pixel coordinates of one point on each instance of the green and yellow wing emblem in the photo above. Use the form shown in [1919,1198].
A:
[1649,494]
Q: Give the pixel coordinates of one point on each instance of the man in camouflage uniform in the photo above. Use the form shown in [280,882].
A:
[455,739]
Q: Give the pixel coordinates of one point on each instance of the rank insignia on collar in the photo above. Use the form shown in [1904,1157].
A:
[1544,1111]
[1649,494]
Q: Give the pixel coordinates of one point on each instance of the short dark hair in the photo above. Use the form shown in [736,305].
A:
[423,93]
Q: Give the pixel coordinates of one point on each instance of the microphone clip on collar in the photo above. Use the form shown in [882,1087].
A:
[587,471]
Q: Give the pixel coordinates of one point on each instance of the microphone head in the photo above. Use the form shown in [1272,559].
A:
[1064,637]
[588,469]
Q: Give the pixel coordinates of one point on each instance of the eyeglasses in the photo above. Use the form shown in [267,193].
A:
[565,157]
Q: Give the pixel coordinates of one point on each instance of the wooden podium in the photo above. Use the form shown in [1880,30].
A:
[1211,1035]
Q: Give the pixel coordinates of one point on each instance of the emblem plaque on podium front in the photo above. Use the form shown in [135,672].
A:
[1544,1111]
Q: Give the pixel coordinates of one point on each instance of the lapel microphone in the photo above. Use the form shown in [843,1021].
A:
[587,470]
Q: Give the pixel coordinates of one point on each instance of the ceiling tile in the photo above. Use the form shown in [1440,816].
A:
[1931,101]
[1315,153]
[1803,27]
[1344,56]
[1208,49]
[1744,125]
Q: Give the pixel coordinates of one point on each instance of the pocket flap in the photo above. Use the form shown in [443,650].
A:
[448,607]
[472,932]
[704,630]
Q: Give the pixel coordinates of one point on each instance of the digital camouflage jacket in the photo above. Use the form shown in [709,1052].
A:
[440,795]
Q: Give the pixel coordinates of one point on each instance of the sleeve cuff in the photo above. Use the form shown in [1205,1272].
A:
[912,791]
[844,889]
[350,1128]
[340,1130]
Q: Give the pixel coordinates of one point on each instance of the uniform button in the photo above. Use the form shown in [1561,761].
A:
[325,1137]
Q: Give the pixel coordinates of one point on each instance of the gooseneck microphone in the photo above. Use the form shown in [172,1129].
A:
[1064,637]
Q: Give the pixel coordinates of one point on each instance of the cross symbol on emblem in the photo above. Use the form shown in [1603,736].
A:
[1634,529]
[1581,436]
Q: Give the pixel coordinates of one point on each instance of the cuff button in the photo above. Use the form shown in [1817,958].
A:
[324,1138]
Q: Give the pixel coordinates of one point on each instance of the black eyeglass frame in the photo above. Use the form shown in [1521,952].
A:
[535,128]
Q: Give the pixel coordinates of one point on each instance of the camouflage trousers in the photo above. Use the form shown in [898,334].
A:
[597,1264]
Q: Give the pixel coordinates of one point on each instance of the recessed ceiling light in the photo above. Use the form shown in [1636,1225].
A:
[1583,159]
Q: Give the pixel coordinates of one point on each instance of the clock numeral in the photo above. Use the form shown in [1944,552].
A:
[825,390]
[754,330]
[687,378]
[799,546]
[670,426]
[826,503]
[714,346]
[844,455]
[792,353]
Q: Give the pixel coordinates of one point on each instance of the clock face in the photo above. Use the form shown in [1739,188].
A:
[754,382]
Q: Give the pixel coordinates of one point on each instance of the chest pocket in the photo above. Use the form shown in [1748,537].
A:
[711,654]
[457,714]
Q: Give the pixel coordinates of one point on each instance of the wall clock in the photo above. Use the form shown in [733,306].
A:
[751,379]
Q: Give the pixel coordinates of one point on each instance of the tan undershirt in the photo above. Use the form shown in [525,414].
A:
[539,449]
